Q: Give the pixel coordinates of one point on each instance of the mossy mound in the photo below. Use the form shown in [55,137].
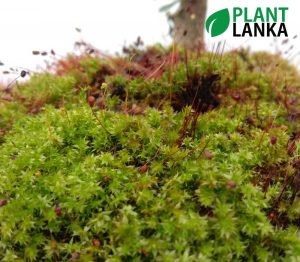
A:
[199,163]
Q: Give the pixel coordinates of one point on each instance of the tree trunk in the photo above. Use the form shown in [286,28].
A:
[189,23]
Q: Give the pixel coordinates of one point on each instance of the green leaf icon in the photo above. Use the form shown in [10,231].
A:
[218,22]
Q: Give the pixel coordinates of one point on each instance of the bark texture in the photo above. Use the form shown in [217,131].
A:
[189,23]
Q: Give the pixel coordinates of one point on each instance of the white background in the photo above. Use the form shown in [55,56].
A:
[27,25]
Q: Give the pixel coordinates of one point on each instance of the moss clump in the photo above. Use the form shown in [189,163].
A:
[184,204]
[47,89]
[212,176]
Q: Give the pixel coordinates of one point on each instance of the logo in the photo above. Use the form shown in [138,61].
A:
[218,22]
[261,22]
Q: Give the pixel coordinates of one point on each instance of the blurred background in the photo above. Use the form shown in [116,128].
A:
[46,25]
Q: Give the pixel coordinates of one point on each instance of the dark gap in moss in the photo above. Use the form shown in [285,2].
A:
[200,91]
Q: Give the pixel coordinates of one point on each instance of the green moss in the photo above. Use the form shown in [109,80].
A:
[9,113]
[48,88]
[163,185]
[182,206]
